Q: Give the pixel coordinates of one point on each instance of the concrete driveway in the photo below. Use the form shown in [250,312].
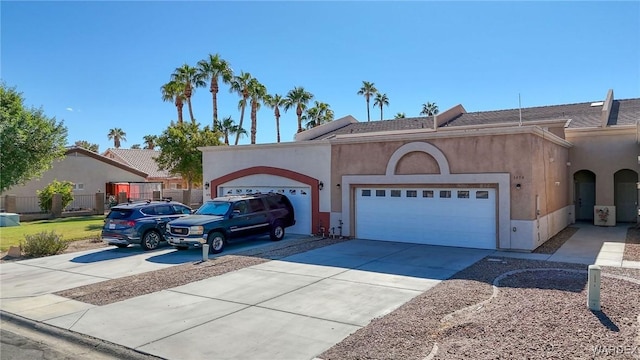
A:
[293,308]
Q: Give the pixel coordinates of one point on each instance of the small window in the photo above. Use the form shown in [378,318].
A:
[78,186]
[396,193]
[463,194]
[412,193]
[445,193]
[427,193]
[366,192]
[381,193]
[483,194]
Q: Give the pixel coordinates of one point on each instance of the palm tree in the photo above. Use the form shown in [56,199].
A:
[319,114]
[400,115]
[191,79]
[135,146]
[228,126]
[257,92]
[298,98]
[117,134]
[380,100]
[367,89]
[429,109]
[150,141]
[174,92]
[240,85]
[275,101]
[214,68]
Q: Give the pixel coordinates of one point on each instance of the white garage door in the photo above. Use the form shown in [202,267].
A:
[300,197]
[439,216]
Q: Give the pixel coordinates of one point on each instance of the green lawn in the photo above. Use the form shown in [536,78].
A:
[73,228]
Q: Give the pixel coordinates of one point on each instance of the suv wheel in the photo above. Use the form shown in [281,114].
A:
[277,231]
[151,240]
[216,242]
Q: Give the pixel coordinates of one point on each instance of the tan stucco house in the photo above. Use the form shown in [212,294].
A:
[87,170]
[505,179]
[144,160]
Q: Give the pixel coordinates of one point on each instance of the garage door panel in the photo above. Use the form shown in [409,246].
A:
[465,221]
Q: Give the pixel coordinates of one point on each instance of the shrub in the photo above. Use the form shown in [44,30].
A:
[43,244]
[64,188]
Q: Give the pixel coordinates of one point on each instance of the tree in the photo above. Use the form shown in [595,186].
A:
[136,146]
[228,126]
[400,115]
[45,196]
[381,100]
[429,109]
[240,85]
[30,140]
[174,92]
[150,141]
[87,145]
[214,68]
[368,89]
[191,78]
[274,102]
[117,134]
[179,152]
[319,114]
[298,98]
[257,93]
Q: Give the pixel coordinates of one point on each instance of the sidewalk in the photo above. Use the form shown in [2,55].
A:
[591,244]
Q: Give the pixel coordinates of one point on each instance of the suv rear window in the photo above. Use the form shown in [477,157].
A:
[119,213]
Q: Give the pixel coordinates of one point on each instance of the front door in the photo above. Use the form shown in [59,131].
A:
[585,200]
[626,202]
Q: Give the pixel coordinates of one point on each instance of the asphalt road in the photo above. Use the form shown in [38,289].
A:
[24,340]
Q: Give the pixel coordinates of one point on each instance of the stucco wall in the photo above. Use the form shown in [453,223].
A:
[311,159]
[77,168]
[604,152]
[471,154]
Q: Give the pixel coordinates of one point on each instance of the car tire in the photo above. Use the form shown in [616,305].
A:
[151,240]
[121,246]
[216,242]
[277,231]
[181,248]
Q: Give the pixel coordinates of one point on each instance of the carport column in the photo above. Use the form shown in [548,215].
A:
[593,288]
[156,195]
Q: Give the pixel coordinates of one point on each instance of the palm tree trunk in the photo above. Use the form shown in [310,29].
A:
[278,127]
[241,121]
[190,110]
[226,137]
[380,112]
[179,106]
[368,117]
[254,121]
[214,97]
[299,113]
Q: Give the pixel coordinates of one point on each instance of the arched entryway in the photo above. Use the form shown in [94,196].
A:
[625,195]
[585,194]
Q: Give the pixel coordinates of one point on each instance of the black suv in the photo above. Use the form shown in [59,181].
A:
[141,223]
[225,218]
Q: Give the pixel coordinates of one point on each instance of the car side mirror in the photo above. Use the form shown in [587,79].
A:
[235,213]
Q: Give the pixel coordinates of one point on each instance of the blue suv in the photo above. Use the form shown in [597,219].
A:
[141,223]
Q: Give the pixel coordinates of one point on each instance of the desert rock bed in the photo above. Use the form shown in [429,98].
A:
[538,314]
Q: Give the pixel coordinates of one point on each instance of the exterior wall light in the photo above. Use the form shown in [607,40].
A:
[518,186]
[206,186]
[320,185]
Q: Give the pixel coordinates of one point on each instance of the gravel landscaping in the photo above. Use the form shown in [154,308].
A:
[632,246]
[552,245]
[537,313]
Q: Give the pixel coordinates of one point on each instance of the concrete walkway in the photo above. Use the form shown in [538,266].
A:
[591,244]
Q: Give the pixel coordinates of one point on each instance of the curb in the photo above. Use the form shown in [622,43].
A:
[102,346]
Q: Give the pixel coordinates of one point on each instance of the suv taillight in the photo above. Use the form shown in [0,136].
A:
[130,223]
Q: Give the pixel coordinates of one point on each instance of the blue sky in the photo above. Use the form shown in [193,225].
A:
[100,65]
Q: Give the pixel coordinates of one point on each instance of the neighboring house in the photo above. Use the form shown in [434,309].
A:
[87,170]
[506,179]
[143,160]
